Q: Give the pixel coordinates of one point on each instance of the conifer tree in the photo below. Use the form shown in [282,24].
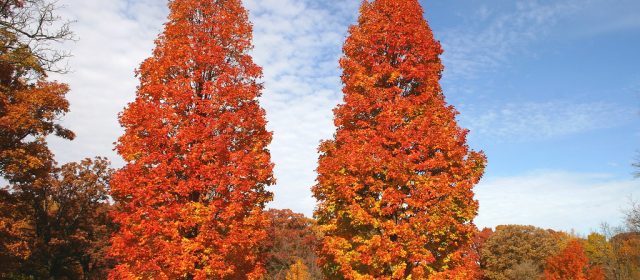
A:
[191,196]
[395,185]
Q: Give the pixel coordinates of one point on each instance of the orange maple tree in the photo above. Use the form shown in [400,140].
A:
[395,185]
[572,264]
[191,196]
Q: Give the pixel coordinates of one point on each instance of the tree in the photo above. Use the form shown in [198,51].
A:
[571,264]
[600,253]
[478,241]
[291,238]
[515,250]
[298,271]
[43,232]
[29,28]
[632,216]
[190,198]
[30,106]
[626,247]
[64,236]
[395,184]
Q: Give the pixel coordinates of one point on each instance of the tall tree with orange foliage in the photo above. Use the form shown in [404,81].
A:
[190,198]
[395,185]
[572,264]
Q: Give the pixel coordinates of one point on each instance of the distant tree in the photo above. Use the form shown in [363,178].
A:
[298,271]
[517,250]
[571,263]
[478,243]
[53,222]
[190,198]
[600,253]
[526,270]
[65,235]
[632,216]
[626,247]
[291,237]
[395,185]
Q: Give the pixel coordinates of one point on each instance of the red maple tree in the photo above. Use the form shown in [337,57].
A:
[395,185]
[572,264]
[191,197]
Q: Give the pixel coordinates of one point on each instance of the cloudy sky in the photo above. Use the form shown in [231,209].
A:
[549,89]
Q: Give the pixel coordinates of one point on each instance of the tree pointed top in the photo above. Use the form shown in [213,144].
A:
[395,185]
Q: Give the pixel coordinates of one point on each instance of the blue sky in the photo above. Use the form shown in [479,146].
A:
[549,89]
[556,81]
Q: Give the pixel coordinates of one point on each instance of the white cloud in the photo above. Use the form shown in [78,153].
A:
[542,121]
[113,38]
[298,44]
[555,199]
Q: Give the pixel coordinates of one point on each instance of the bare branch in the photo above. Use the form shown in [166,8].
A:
[36,25]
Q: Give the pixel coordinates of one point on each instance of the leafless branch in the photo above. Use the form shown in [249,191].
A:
[36,25]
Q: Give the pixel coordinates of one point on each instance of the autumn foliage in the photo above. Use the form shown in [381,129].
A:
[292,238]
[298,271]
[58,228]
[572,264]
[53,219]
[191,195]
[517,252]
[395,185]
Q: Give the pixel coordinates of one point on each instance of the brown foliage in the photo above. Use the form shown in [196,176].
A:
[626,247]
[30,106]
[53,222]
[60,227]
[516,250]
[292,238]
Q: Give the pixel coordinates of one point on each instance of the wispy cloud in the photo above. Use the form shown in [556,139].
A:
[554,199]
[489,40]
[299,43]
[542,121]
[113,38]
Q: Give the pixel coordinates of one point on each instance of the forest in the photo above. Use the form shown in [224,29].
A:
[394,190]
